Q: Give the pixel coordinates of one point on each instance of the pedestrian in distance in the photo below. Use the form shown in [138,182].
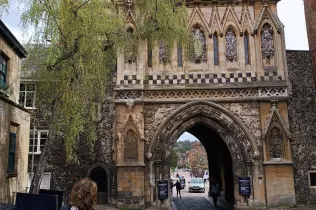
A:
[83,195]
[215,191]
[178,188]
[171,186]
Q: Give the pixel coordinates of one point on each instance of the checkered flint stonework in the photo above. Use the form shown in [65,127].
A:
[178,79]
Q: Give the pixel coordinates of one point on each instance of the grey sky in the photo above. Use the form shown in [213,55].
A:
[291,14]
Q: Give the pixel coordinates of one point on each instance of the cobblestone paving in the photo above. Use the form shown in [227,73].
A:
[190,203]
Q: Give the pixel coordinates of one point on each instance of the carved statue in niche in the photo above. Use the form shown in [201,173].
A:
[267,48]
[275,143]
[198,45]
[231,45]
[129,55]
[163,53]
[130,146]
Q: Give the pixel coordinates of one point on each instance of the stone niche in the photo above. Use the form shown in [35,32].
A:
[130,159]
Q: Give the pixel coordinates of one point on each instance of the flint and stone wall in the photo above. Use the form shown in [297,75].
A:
[65,174]
[302,114]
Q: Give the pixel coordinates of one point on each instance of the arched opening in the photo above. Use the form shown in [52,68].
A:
[99,175]
[231,148]
[206,158]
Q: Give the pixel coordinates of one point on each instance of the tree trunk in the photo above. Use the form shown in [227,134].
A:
[41,165]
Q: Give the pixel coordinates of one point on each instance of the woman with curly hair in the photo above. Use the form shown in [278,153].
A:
[83,195]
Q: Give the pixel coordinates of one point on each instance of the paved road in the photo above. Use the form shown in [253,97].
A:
[196,201]
[193,202]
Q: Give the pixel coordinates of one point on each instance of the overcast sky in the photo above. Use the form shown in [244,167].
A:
[291,14]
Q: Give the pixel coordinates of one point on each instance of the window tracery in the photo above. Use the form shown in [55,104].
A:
[231,45]
[267,47]
[163,53]
[130,146]
[198,45]
[275,143]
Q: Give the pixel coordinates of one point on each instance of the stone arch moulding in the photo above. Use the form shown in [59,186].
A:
[108,174]
[274,113]
[197,19]
[266,16]
[230,19]
[231,129]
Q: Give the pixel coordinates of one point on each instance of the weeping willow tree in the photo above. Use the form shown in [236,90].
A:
[74,49]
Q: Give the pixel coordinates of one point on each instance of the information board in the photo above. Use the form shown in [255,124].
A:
[244,186]
[163,189]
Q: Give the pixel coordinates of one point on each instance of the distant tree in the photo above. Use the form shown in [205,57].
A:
[174,158]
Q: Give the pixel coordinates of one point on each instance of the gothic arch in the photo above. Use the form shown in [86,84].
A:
[108,177]
[234,133]
[197,18]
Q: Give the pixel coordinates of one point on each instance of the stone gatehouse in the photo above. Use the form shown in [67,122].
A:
[233,94]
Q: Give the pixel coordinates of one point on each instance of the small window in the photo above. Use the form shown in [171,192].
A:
[179,52]
[312,179]
[3,70]
[37,141]
[215,47]
[150,54]
[246,43]
[12,148]
[27,95]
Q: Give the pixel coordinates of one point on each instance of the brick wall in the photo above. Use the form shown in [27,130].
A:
[13,119]
[310,15]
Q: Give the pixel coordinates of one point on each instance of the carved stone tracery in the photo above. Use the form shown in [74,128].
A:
[267,47]
[231,45]
[275,143]
[198,53]
[130,146]
[163,53]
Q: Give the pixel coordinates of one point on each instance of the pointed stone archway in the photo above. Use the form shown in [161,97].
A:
[100,174]
[238,139]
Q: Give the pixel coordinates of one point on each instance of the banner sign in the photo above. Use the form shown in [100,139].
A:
[163,189]
[244,186]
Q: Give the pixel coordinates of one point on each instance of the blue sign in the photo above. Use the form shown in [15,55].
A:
[244,186]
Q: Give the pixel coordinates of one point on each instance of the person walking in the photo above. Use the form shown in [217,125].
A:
[178,188]
[215,191]
[171,186]
[83,195]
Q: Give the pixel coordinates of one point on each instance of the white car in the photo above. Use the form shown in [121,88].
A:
[196,185]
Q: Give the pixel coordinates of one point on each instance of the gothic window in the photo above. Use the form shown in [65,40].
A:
[198,53]
[130,146]
[149,54]
[129,56]
[275,143]
[267,47]
[215,46]
[246,43]
[163,53]
[231,45]
[179,53]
